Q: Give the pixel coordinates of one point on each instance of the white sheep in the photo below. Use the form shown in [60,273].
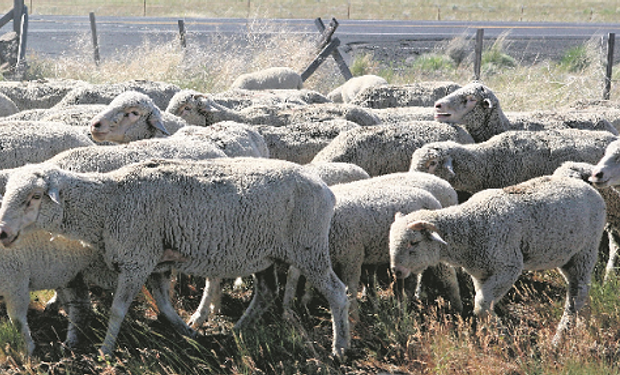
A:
[360,226]
[607,170]
[397,115]
[41,93]
[233,138]
[32,142]
[132,116]
[509,158]
[7,106]
[347,92]
[200,109]
[386,149]
[290,222]
[611,196]
[543,223]
[269,79]
[75,115]
[420,94]
[301,142]
[478,110]
[239,99]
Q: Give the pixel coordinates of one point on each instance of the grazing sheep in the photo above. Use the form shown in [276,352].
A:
[360,226]
[132,116]
[200,109]
[301,142]
[269,79]
[386,149]
[612,200]
[32,142]
[509,158]
[289,222]
[543,223]
[477,109]
[159,92]
[239,99]
[347,92]
[42,93]
[421,94]
[231,137]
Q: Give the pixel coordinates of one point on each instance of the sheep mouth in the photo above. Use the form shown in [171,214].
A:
[442,116]
[97,135]
[600,183]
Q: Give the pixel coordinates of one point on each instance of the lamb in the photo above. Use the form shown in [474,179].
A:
[386,149]
[509,158]
[301,142]
[290,222]
[269,79]
[478,110]
[32,142]
[421,94]
[360,226]
[611,196]
[132,116]
[199,109]
[543,223]
[346,92]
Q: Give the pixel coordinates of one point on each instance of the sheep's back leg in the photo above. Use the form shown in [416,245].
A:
[265,285]
[208,303]
[612,235]
[159,284]
[76,300]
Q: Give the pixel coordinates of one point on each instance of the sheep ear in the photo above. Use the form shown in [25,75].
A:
[449,167]
[54,194]
[436,237]
[486,103]
[430,228]
[155,121]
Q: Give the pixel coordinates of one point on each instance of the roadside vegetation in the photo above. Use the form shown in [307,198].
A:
[391,337]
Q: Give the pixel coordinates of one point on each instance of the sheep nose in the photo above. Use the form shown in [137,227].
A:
[598,175]
[400,272]
[437,105]
[6,237]
[96,124]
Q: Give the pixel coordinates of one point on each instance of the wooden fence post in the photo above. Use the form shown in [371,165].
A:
[18,10]
[93,28]
[478,53]
[610,62]
[23,36]
[182,34]
[328,45]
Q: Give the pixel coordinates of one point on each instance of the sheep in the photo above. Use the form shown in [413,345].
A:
[607,172]
[269,79]
[31,142]
[612,200]
[564,118]
[605,108]
[233,138]
[76,115]
[397,115]
[360,226]
[239,99]
[7,106]
[207,205]
[159,92]
[508,158]
[301,142]
[38,93]
[386,149]
[347,92]
[421,94]
[478,110]
[337,173]
[199,109]
[132,116]
[543,223]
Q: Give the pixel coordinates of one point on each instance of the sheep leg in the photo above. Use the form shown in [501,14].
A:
[292,279]
[159,284]
[130,281]
[351,275]
[76,300]
[264,296]
[334,290]
[491,290]
[443,278]
[208,303]
[17,309]
[612,235]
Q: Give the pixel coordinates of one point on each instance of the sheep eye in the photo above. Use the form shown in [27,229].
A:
[135,113]
[412,243]
[432,163]
[36,196]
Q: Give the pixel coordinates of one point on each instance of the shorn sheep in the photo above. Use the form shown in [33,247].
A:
[132,116]
[611,196]
[386,149]
[283,212]
[543,223]
[478,110]
[346,92]
[200,109]
[269,79]
[509,158]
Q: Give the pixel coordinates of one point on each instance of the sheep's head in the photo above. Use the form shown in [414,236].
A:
[607,171]
[129,117]
[31,199]
[434,158]
[194,107]
[414,244]
[469,103]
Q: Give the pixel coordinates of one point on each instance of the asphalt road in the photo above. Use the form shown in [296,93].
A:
[55,35]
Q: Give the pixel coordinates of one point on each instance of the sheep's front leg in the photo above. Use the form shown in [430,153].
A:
[612,236]
[76,300]
[130,281]
[17,309]
[491,290]
[159,284]
[264,294]
[208,303]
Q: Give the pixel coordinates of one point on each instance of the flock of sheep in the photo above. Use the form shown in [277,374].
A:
[121,185]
